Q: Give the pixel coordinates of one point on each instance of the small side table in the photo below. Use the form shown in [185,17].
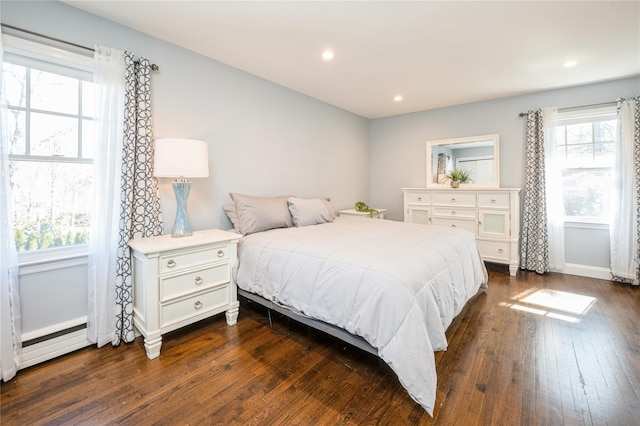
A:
[362,215]
[178,281]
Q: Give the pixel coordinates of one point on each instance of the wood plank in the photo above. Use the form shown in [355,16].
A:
[502,366]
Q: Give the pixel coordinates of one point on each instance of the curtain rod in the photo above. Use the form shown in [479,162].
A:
[522,114]
[154,67]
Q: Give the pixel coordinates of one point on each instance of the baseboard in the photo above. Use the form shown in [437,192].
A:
[586,271]
[52,348]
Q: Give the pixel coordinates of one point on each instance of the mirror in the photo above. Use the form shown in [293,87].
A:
[479,155]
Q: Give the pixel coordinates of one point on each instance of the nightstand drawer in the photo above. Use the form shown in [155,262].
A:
[497,250]
[454,213]
[469,225]
[179,285]
[453,198]
[188,259]
[193,306]
[493,200]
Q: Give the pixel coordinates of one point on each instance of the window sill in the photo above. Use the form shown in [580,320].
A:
[585,224]
[49,259]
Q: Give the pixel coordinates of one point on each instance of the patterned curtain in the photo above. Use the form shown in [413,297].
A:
[140,207]
[534,248]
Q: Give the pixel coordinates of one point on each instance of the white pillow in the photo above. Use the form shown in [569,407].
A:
[310,211]
[257,214]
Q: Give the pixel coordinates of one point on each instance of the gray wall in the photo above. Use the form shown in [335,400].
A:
[263,139]
[397,149]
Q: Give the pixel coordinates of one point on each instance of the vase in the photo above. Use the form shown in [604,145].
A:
[455,184]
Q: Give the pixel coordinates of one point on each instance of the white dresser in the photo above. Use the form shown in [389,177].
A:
[492,215]
[178,281]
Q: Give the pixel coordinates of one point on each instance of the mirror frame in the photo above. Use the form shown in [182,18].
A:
[496,160]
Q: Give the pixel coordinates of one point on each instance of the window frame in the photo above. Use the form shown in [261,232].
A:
[79,66]
[580,116]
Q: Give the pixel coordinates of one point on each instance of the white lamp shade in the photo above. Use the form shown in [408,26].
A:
[180,158]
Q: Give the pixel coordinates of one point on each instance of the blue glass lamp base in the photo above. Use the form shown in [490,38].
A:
[181,227]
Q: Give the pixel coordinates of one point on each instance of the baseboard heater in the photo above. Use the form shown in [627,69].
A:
[52,342]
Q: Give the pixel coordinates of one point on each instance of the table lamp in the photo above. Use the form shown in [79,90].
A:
[182,159]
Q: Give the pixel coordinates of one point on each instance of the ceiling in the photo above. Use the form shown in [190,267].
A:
[433,53]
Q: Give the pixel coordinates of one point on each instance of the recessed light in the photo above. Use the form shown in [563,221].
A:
[397,98]
[570,64]
[327,55]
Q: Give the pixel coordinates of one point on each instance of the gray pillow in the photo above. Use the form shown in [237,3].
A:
[230,211]
[257,214]
[310,211]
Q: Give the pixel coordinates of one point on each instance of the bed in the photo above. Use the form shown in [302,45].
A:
[391,288]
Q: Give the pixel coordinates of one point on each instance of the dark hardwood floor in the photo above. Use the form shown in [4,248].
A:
[509,362]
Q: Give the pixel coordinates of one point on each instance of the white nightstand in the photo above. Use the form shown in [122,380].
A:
[178,281]
[363,215]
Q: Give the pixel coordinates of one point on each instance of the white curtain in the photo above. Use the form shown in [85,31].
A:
[103,247]
[553,193]
[624,234]
[10,341]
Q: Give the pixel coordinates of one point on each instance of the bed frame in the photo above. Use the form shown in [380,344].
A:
[332,330]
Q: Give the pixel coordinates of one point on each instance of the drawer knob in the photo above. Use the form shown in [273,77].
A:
[197,305]
[419,198]
[220,253]
[199,280]
[500,251]
[493,201]
[453,200]
[453,225]
[171,264]
[453,212]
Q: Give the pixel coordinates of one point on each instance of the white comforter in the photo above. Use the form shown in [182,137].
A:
[398,285]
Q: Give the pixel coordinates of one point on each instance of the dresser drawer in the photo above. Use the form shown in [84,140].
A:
[178,285]
[454,198]
[453,213]
[172,262]
[418,198]
[199,304]
[469,225]
[493,200]
[497,250]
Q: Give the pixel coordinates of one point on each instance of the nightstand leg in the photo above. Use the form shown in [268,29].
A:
[232,314]
[152,345]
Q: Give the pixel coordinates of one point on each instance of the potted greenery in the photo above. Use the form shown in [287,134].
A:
[456,177]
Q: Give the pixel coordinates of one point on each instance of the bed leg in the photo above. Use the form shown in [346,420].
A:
[271,325]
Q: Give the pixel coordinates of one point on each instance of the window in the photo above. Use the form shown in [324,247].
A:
[584,145]
[49,95]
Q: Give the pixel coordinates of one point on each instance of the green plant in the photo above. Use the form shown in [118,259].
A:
[460,176]
[361,206]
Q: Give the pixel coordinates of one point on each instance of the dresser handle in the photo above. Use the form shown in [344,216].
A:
[419,198]
[453,212]
[220,253]
[171,264]
[199,280]
[453,200]
[500,251]
[453,225]
[198,305]
[493,201]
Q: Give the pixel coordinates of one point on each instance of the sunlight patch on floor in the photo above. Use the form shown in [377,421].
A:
[546,302]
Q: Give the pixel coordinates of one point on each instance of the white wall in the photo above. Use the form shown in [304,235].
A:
[397,149]
[263,139]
